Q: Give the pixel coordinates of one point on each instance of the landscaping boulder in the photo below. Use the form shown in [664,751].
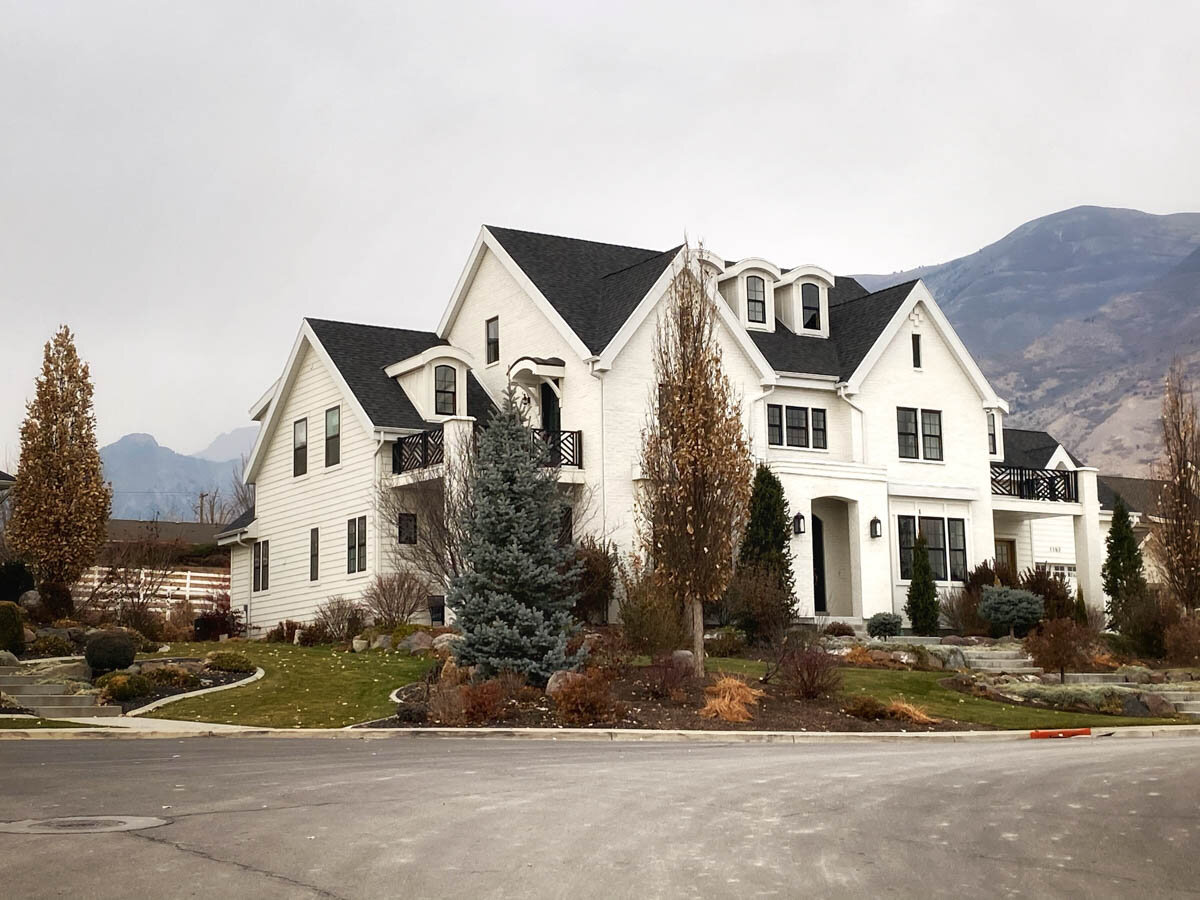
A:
[953,640]
[1135,674]
[9,702]
[1133,705]
[1157,705]
[359,645]
[563,677]
[66,670]
[382,642]
[444,643]
[30,637]
[683,659]
[417,642]
[7,659]
[30,601]
[880,656]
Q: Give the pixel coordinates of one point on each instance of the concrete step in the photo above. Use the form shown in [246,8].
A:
[917,639]
[20,690]
[1094,678]
[1188,706]
[72,700]
[1017,670]
[990,664]
[16,679]
[12,670]
[976,653]
[75,712]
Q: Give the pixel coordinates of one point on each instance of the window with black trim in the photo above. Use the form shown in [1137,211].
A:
[906,431]
[333,436]
[407,528]
[956,531]
[916,342]
[299,447]
[492,339]
[437,610]
[356,545]
[444,378]
[797,426]
[314,554]
[262,566]
[820,437]
[906,528]
[931,433]
[566,527]
[774,424]
[756,299]
[991,422]
[810,307]
[934,532]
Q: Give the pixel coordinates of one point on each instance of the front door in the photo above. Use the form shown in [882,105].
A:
[1006,554]
[818,549]
[551,424]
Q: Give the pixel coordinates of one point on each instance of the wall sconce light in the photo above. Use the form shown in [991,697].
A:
[798,523]
[876,528]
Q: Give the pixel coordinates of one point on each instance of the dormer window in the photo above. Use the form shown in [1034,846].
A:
[810,307]
[756,300]
[444,403]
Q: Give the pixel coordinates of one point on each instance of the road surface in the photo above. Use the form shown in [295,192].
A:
[266,818]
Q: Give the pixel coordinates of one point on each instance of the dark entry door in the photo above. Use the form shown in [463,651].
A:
[551,424]
[818,549]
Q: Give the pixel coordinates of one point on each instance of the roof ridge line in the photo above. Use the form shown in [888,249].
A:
[566,237]
[874,293]
[370,325]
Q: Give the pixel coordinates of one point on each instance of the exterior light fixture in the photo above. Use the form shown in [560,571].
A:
[798,523]
[876,528]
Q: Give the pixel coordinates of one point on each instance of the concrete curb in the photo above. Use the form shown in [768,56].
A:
[607,735]
[174,698]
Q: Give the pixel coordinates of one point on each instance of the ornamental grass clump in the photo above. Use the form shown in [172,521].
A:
[904,711]
[730,699]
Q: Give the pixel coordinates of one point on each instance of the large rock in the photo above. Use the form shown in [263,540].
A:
[30,637]
[683,659]
[381,642]
[7,659]
[417,642]
[69,670]
[1157,705]
[1135,674]
[1133,705]
[359,645]
[953,640]
[444,643]
[30,601]
[559,680]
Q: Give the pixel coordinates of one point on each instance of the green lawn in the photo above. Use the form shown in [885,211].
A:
[304,687]
[22,723]
[923,689]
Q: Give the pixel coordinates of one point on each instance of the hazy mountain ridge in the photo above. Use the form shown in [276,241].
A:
[1075,317]
[150,480]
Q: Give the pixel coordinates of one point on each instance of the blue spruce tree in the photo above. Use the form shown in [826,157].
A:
[514,598]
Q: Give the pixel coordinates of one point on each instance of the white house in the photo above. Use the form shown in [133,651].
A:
[867,405]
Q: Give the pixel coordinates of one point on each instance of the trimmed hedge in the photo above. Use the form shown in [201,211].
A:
[109,650]
[884,625]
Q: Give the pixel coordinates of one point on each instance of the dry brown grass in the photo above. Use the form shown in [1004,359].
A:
[730,699]
[858,656]
[909,712]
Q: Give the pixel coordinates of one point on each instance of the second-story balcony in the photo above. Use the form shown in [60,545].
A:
[1051,485]
[427,448]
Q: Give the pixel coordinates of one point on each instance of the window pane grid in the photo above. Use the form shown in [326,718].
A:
[774,424]
[492,339]
[333,436]
[300,448]
[810,307]
[444,387]
[934,532]
[756,299]
[819,435]
[797,426]
[906,428]
[957,531]
[931,429]
[906,529]
[314,546]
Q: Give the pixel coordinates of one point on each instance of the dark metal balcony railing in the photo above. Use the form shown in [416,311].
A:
[1035,484]
[418,451]
[563,448]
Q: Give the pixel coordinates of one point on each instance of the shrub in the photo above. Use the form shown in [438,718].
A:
[172,676]
[726,641]
[211,624]
[1143,617]
[57,602]
[412,713]
[284,632]
[181,622]
[652,622]
[446,705]
[342,619]
[15,579]
[229,662]
[838,629]
[314,634]
[858,655]
[865,706]
[810,672]
[587,700]
[109,650]
[960,611]
[922,604]
[908,712]
[1056,595]
[1058,645]
[12,628]
[122,686]
[761,604]
[884,625]
[730,699]
[1182,641]
[1010,609]
[483,702]
[51,645]
[665,677]
[392,599]
[597,566]
[608,649]
[141,643]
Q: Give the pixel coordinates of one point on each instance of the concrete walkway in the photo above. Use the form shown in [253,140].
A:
[127,723]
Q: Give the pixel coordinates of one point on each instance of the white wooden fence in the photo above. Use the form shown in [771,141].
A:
[200,586]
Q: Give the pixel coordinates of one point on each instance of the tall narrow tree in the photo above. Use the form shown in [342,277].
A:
[765,542]
[695,459]
[922,607]
[60,499]
[1121,575]
[1176,525]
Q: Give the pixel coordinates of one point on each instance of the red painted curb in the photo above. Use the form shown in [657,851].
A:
[1061,733]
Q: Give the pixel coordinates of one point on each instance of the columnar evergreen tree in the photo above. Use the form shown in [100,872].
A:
[765,542]
[514,596]
[60,500]
[695,458]
[922,606]
[1122,575]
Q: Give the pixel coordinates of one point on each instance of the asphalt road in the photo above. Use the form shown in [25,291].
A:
[265,818]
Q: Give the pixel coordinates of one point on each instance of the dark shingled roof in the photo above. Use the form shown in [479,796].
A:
[856,319]
[5,477]
[241,523]
[1030,449]
[1140,494]
[120,530]
[595,287]
[362,352]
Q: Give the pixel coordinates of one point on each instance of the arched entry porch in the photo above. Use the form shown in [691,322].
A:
[834,557]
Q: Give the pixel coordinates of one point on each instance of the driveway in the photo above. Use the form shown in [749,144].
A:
[473,818]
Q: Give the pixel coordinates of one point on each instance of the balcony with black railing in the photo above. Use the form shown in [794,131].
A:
[1052,485]
[563,448]
[427,448]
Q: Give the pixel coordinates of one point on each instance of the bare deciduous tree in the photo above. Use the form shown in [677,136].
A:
[241,495]
[393,598]
[132,579]
[1176,526]
[695,458]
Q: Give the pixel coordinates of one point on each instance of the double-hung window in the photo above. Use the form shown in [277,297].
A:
[492,340]
[756,299]
[774,424]
[906,430]
[919,433]
[820,437]
[262,566]
[356,545]
[991,422]
[945,545]
[299,447]
[444,390]
[934,532]
[810,307]
[407,528]
[797,426]
[333,436]
[931,433]
[907,530]
[956,530]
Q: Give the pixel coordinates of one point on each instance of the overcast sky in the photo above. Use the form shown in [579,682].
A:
[182,182]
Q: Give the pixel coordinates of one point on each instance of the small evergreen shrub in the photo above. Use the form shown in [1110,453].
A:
[109,650]
[839,629]
[12,628]
[47,645]
[884,625]
[1010,609]
[726,641]
[314,634]
[810,672]
[587,700]
[119,687]
[922,606]
[173,677]
[230,662]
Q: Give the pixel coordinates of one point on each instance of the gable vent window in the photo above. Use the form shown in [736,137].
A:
[333,436]
[443,390]
[299,448]
[916,342]
[492,339]
[756,299]
[356,545]
[810,307]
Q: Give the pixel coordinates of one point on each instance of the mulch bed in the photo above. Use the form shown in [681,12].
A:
[776,711]
[208,679]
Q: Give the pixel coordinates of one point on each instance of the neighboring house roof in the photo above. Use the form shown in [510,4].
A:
[1140,494]
[1031,449]
[6,480]
[856,319]
[362,352]
[120,530]
[241,523]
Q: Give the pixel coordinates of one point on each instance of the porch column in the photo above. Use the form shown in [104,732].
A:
[1089,543]
[858,533]
[800,546]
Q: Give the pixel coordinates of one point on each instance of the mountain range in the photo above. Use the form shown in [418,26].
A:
[1075,317]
